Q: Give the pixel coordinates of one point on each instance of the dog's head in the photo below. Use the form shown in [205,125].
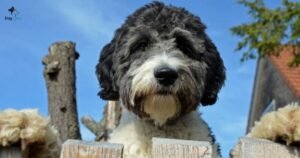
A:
[161,64]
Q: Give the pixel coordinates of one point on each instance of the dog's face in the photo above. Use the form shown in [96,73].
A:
[161,64]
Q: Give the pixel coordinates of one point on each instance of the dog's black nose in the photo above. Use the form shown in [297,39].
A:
[165,76]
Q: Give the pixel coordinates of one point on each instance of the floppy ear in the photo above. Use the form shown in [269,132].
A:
[105,74]
[216,74]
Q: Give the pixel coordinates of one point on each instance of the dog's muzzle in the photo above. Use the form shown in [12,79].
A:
[162,89]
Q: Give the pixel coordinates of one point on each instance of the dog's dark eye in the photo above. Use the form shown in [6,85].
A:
[139,46]
[186,47]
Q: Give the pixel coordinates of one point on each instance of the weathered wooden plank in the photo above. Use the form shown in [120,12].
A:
[10,152]
[84,149]
[174,148]
[261,148]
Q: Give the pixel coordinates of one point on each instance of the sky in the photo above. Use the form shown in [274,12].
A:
[91,24]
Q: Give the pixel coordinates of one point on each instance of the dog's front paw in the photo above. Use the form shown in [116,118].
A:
[280,125]
[136,150]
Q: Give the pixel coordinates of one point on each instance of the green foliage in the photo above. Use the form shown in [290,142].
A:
[270,31]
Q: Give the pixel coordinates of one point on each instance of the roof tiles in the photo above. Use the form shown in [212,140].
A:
[290,74]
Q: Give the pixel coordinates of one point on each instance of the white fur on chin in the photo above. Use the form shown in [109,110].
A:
[160,108]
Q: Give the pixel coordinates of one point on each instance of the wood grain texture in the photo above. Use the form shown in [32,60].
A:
[174,148]
[260,148]
[84,149]
[10,152]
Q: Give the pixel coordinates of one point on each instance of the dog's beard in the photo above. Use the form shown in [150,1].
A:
[161,108]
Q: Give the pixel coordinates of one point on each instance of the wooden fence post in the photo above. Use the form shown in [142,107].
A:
[11,152]
[83,149]
[174,148]
[59,73]
[261,148]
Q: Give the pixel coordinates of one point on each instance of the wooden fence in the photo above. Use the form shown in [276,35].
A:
[10,152]
[261,148]
[174,148]
[162,148]
[168,148]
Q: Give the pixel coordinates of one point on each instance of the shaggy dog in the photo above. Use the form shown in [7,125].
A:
[29,129]
[160,65]
[282,125]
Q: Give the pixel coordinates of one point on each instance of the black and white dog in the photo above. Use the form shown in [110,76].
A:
[161,66]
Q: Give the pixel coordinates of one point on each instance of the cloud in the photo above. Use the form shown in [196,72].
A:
[87,17]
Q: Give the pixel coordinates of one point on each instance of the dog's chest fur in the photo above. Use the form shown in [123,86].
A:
[136,134]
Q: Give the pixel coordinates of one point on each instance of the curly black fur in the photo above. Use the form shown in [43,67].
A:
[162,19]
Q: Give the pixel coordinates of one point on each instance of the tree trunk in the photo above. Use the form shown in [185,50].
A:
[59,73]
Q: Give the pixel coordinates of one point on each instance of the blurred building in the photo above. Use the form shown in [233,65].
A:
[276,85]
